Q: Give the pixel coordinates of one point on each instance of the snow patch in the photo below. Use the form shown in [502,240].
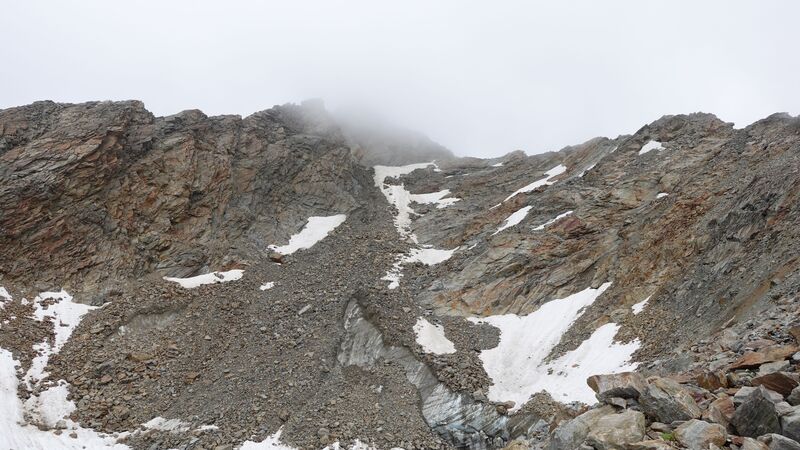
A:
[518,366]
[652,145]
[315,230]
[432,339]
[552,221]
[4,297]
[580,175]
[514,219]
[427,256]
[497,164]
[639,307]
[208,278]
[170,425]
[268,285]
[546,181]
[661,195]
[397,195]
[435,197]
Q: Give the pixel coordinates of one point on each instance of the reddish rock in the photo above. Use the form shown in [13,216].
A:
[751,360]
[776,381]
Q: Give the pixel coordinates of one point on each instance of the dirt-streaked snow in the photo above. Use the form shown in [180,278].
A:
[315,230]
[517,365]
[513,219]
[432,338]
[208,278]
[552,173]
[652,145]
[552,221]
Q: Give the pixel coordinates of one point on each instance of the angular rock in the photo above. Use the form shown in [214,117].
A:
[711,380]
[794,397]
[776,381]
[790,424]
[572,433]
[623,385]
[666,401]
[751,360]
[651,444]
[720,411]
[778,442]
[698,435]
[752,444]
[616,431]
[745,392]
[756,415]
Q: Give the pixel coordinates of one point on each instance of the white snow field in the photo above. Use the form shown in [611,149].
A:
[639,307]
[517,365]
[552,173]
[552,221]
[652,145]
[208,278]
[51,405]
[513,219]
[432,339]
[315,230]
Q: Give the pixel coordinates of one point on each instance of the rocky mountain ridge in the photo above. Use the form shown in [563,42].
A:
[458,303]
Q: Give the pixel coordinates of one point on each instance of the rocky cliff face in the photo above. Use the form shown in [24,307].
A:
[455,303]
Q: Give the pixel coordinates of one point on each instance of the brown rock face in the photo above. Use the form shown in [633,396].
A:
[98,192]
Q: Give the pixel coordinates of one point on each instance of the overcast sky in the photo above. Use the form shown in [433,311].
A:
[482,78]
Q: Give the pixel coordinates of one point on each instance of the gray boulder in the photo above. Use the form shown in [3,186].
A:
[699,435]
[622,385]
[756,415]
[778,442]
[617,431]
[794,397]
[571,434]
[666,401]
[790,424]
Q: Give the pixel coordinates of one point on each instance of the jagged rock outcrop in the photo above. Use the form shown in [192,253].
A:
[95,193]
[672,251]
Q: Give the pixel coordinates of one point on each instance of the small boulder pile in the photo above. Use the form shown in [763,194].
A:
[752,404]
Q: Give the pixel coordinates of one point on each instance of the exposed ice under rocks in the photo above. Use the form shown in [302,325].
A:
[207,278]
[432,338]
[317,228]
[552,173]
[519,368]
